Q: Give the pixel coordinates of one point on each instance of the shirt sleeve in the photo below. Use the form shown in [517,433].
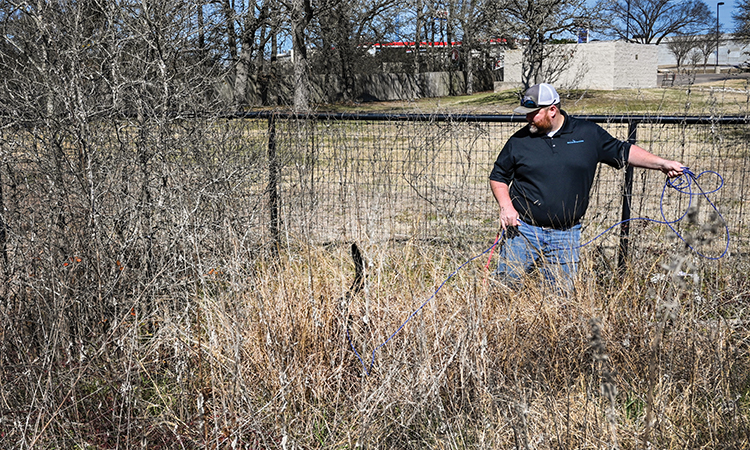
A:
[614,152]
[502,171]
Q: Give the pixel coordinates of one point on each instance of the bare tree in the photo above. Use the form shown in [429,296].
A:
[537,22]
[420,14]
[650,21]
[268,71]
[246,31]
[301,12]
[694,58]
[346,31]
[109,194]
[253,22]
[681,46]
[708,44]
[229,22]
[475,21]
[741,18]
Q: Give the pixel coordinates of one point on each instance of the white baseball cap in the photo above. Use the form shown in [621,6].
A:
[537,97]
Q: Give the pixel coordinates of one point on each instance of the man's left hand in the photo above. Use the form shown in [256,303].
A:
[672,168]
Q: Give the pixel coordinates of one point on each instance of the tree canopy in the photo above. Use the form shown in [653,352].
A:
[650,21]
[122,55]
[741,18]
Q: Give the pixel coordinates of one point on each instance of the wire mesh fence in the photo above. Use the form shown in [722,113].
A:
[149,196]
[354,178]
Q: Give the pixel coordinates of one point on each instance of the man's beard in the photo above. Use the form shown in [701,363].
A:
[542,127]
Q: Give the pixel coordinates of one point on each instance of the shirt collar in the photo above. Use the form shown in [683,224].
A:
[566,126]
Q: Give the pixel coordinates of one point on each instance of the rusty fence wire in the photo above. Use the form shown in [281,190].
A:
[376,177]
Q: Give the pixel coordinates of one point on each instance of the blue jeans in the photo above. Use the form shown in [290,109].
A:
[555,253]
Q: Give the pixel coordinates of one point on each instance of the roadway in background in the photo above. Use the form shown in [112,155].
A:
[705,78]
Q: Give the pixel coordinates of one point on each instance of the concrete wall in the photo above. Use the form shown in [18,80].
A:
[386,86]
[634,65]
[512,68]
[375,87]
[596,65]
[403,86]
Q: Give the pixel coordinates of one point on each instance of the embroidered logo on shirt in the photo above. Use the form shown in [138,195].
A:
[575,142]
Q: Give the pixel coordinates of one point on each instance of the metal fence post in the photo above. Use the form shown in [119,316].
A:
[627,195]
[273,182]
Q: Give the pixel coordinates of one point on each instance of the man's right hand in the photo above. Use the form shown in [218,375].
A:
[508,214]
[508,217]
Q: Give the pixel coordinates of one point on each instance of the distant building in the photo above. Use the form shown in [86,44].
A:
[597,65]
[732,52]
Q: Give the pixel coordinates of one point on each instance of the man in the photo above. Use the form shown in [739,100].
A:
[541,181]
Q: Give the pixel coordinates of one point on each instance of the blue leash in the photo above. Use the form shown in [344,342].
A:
[372,359]
[680,185]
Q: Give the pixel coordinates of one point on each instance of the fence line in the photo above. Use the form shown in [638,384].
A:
[381,176]
[179,198]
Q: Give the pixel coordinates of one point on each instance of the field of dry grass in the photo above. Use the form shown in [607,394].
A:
[144,306]
[656,357]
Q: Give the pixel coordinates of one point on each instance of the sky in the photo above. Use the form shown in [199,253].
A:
[725,14]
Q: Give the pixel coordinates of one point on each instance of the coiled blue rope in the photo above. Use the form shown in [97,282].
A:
[682,184]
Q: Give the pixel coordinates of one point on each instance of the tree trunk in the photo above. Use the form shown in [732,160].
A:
[241,75]
[272,97]
[301,15]
[231,34]
[533,61]
[417,39]
[201,31]
[469,70]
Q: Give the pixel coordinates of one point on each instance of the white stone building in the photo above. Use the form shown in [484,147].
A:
[619,65]
[596,65]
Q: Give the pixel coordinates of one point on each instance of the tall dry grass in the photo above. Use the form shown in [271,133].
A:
[656,357]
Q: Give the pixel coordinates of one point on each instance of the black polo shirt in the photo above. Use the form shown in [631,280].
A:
[550,178]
